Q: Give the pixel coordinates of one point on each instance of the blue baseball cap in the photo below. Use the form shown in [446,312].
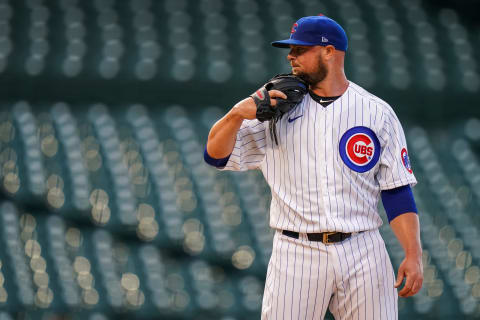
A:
[315,31]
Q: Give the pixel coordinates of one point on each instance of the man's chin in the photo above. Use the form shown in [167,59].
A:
[298,73]
[302,76]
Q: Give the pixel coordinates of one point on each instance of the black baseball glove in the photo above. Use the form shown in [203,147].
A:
[294,88]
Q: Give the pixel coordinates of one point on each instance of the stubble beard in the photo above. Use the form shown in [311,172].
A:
[313,78]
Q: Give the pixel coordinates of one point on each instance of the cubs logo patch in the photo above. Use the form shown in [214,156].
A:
[294,28]
[406,160]
[359,148]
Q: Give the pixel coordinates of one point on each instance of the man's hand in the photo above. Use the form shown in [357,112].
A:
[411,268]
[223,134]
[246,109]
[407,230]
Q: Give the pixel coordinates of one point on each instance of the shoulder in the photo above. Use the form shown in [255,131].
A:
[372,101]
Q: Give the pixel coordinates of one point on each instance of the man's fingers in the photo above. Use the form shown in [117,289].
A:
[404,292]
[414,290]
[416,286]
[400,277]
[277,94]
[408,286]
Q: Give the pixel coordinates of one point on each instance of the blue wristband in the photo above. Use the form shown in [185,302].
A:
[219,163]
[398,201]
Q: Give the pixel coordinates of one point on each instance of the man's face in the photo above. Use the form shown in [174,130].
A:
[306,62]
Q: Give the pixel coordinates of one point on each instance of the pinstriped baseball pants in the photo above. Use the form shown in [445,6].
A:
[353,278]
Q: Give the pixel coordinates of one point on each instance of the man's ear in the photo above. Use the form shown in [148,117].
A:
[328,52]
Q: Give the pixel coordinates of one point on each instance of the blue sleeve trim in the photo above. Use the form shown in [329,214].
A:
[219,163]
[398,201]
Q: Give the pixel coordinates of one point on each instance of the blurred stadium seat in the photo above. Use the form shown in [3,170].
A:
[107,209]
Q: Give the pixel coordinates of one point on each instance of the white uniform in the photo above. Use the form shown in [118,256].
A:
[326,174]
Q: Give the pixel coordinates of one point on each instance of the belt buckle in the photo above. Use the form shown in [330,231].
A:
[325,237]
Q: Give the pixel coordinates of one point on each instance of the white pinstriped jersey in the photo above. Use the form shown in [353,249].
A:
[331,163]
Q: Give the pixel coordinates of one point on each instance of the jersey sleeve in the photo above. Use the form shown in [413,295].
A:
[249,150]
[395,169]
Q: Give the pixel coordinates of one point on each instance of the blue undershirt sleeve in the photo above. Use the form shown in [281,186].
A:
[219,163]
[398,201]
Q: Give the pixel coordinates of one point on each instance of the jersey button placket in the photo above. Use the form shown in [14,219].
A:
[323,150]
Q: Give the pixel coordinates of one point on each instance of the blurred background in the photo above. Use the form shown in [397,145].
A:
[107,210]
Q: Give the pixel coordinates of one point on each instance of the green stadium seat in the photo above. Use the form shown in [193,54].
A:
[470,128]
[68,136]
[75,32]
[467,69]
[122,198]
[163,199]
[18,289]
[35,63]
[5,316]
[6,14]
[26,178]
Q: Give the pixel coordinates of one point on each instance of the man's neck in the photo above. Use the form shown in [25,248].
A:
[333,85]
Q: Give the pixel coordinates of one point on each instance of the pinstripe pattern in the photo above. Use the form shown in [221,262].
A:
[315,189]
[350,291]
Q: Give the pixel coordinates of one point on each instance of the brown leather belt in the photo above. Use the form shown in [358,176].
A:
[324,237]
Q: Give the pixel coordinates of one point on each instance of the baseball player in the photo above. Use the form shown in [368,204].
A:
[330,159]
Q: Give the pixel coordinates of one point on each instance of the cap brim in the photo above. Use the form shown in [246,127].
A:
[288,42]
